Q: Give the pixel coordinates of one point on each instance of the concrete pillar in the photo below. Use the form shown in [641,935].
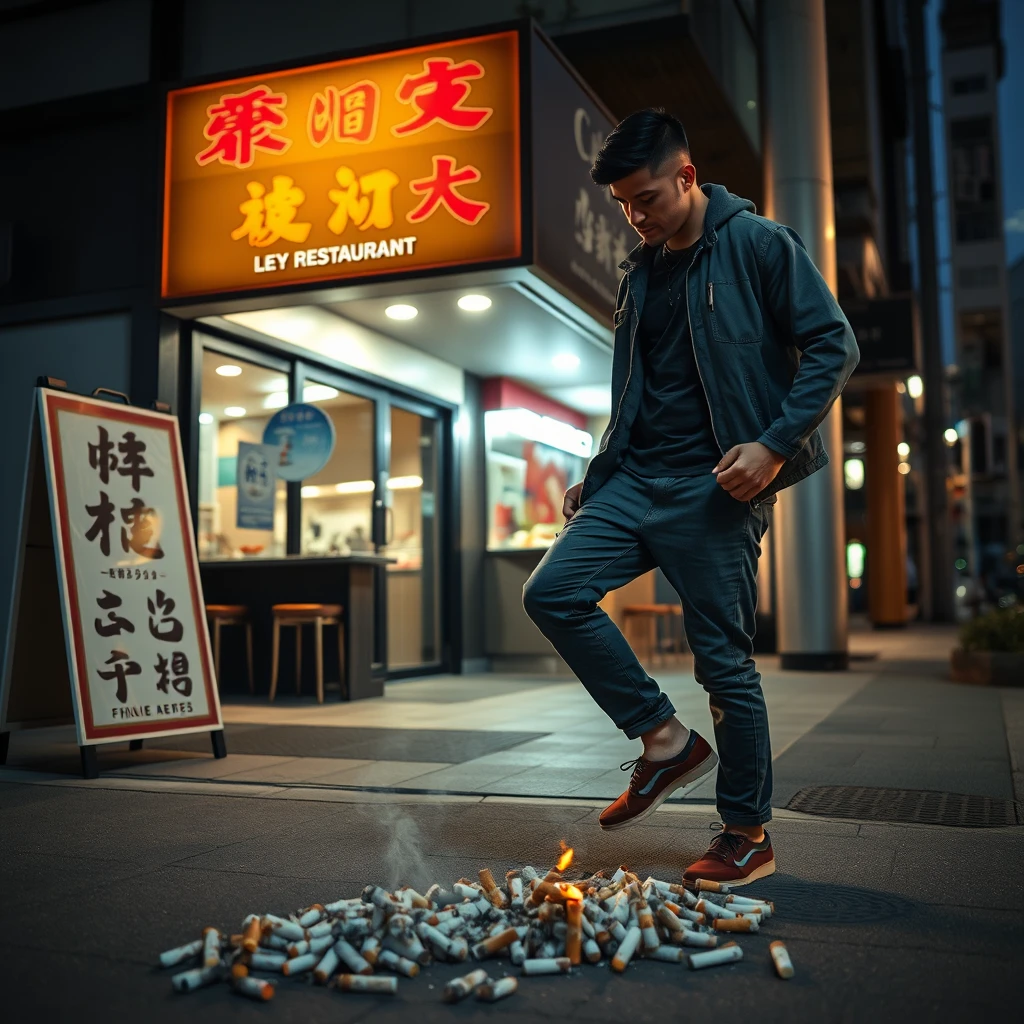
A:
[811,611]
[887,534]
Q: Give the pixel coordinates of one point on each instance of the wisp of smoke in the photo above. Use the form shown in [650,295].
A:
[403,857]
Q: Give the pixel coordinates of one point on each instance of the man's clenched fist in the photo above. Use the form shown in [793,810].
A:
[747,469]
[571,502]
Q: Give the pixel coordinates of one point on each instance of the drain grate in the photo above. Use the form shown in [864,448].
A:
[919,806]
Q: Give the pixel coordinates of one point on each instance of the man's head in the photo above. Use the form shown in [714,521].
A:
[645,162]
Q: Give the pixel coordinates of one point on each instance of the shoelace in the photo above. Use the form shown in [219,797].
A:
[636,766]
[725,845]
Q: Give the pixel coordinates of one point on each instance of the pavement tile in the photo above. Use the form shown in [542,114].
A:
[381,773]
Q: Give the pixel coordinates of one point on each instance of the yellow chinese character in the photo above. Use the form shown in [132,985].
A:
[365,201]
[270,216]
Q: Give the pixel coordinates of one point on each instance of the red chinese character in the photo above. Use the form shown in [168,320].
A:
[351,112]
[241,123]
[441,188]
[438,94]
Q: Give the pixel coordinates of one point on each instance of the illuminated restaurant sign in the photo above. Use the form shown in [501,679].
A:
[392,162]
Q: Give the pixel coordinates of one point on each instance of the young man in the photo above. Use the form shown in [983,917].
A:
[729,351]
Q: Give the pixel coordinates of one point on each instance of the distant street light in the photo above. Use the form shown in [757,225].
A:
[915,386]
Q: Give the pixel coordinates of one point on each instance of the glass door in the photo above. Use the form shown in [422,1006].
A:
[411,524]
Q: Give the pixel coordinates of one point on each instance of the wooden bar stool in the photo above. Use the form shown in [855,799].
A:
[298,615]
[219,615]
[647,615]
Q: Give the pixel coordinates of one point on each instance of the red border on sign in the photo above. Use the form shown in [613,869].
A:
[515,253]
[54,404]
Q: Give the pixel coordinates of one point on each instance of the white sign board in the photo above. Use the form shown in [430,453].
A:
[138,650]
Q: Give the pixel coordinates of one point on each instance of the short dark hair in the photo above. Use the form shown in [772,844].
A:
[644,139]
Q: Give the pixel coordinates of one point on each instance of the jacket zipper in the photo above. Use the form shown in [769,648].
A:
[696,358]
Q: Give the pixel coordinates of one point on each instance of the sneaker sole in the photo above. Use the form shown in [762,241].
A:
[707,765]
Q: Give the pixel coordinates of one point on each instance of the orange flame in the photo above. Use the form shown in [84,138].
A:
[566,859]
[572,893]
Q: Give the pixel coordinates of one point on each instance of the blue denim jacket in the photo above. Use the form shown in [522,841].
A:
[773,348]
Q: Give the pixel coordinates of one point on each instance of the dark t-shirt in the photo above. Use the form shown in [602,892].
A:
[672,435]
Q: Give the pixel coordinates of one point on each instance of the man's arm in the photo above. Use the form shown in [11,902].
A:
[802,305]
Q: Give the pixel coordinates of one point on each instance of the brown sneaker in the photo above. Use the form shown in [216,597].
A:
[734,859]
[653,782]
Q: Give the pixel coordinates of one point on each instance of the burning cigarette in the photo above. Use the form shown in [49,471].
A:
[723,955]
[254,988]
[547,965]
[736,924]
[780,957]
[260,961]
[299,964]
[393,962]
[173,957]
[327,966]
[492,991]
[458,988]
[494,894]
[211,947]
[362,983]
[669,954]
[490,946]
[627,947]
[189,981]
[574,930]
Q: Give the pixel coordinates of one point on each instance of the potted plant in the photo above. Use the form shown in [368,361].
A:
[991,651]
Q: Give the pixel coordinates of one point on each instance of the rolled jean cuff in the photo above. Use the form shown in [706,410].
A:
[653,713]
[745,819]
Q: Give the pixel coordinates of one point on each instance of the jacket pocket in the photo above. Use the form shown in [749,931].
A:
[734,313]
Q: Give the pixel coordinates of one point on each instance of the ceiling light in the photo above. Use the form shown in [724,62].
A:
[915,386]
[318,393]
[277,400]
[950,436]
[531,426]
[404,483]
[310,492]
[474,303]
[229,370]
[401,311]
[565,361]
[355,487]
[903,449]
[205,418]
[234,410]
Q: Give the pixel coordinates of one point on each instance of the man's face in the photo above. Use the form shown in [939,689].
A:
[657,203]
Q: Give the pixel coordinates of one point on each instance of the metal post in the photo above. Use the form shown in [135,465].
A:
[811,611]
[940,578]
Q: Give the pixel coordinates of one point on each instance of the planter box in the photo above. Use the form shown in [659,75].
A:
[987,668]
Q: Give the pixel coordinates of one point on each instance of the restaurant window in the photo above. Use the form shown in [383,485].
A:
[531,461]
[337,502]
[237,400]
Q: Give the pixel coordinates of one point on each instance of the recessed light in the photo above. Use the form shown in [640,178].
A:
[276,400]
[565,361]
[318,393]
[404,483]
[205,418]
[474,303]
[354,487]
[234,410]
[401,311]
[229,370]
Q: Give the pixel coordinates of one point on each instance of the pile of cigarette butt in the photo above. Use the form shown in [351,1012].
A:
[540,924]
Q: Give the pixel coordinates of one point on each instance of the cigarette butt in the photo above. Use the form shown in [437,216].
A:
[400,925]
[458,988]
[591,951]
[669,919]
[546,965]
[327,966]
[627,947]
[235,940]
[321,929]
[340,906]
[299,964]
[211,947]
[284,929]
[707,885]
[494,894]
[197,977]
[441,943]
[411,948]
[362,983]
[379,897]
[370,949]
[311,916]
[254,988]
[647,929]
[239,970]
[548,912]
[251,934]
[393,962]
[348,955]
[529,873]
[618,931]
[411,898]
[260,961]
[517,953]
[459,948]
[492,991]
[173,957]
[276,942]
[668,954]
[496,942]
[714,910]
[722,955]
[357,929]
[735,924]
[574,930]
[780,957]
[298,949]
[466,891]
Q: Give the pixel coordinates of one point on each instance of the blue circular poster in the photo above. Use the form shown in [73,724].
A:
[304,438]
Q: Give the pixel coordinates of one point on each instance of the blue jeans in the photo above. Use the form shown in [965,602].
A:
[707,544]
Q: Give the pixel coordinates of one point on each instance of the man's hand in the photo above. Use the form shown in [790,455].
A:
[571,502]
[747,469]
